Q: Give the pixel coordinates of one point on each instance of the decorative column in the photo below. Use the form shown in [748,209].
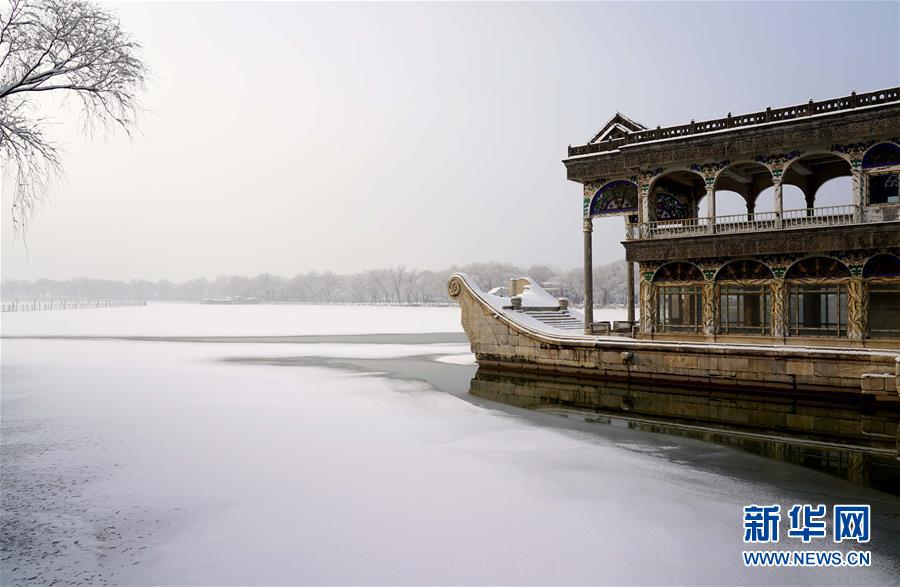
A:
[629,292]
[779,321]
[854,154]
[856,174]
[710,171]
[710,309]
[779,202]
[711,208]
[587,229]
[643,212]
[643,180]
[857,308]
[648,304]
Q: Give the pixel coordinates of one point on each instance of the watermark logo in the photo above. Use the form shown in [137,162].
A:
[806,523]
[761,523]
[851,522]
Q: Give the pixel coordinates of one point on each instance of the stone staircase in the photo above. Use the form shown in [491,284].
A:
[560,319]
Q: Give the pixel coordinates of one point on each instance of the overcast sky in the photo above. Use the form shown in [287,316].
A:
[288,137]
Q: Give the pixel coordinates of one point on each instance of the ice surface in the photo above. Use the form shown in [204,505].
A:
[164,319]
[460,359]
[131,462]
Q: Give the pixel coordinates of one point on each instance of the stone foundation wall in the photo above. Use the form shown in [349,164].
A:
[501,343]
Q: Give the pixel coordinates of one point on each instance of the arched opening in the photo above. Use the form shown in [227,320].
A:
[792,198]
[882,272]
[729,203]
[678,297]
[817,297]
[882,166]
[745,298]
[676,195]
[745,179]
[765,201]
[810,172]
[833,192]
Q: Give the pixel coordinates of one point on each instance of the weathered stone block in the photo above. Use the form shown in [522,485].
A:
[799,368]
[733,364]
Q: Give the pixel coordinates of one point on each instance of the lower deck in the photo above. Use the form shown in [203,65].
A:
[508,338]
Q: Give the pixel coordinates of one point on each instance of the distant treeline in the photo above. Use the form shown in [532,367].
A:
[396,285]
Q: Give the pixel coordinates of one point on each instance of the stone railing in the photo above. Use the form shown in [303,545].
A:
[810,108]
[740,223]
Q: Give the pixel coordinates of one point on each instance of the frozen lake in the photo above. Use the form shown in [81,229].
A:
[346,458]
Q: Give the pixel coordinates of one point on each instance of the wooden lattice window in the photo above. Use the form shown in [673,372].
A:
[882,164]
[745,309]
[817,310]
[679,308]
[884,310]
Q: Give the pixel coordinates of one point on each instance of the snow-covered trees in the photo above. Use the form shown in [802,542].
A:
[70,48]
[395,285]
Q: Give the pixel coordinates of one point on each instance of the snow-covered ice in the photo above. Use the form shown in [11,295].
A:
[134,462]
[171,319]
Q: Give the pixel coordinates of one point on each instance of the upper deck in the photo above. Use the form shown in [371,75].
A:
[665,180]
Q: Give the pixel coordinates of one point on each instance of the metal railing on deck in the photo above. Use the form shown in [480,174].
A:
[755,222]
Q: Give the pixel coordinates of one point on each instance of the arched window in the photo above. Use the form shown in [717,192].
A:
[883,274]
[817,297]
[679,297]
[678,272]
[817,268]
[883,265]
[742,270]
[745,298]
[882,166]
[616,197]
[883,155]
[670,206]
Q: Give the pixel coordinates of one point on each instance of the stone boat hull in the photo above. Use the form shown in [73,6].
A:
[507,340]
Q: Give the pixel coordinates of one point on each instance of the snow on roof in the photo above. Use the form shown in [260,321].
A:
[618,122]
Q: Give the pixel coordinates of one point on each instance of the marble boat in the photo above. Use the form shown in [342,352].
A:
[781,298]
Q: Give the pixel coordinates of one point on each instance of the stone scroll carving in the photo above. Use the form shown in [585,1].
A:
[454,286]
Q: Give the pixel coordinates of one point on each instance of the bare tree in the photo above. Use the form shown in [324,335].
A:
[67,47]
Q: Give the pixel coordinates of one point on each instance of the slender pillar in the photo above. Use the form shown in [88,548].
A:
[629,296]
[779,207]
[644,213]
[856,174]
[588,275]
[711,208]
